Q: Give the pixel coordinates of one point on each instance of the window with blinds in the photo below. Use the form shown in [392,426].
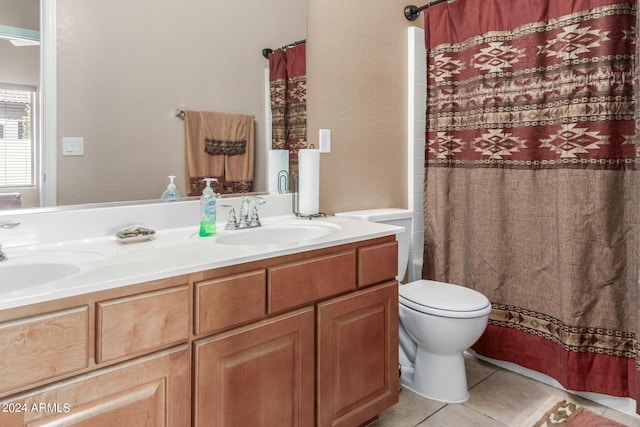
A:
[16,136]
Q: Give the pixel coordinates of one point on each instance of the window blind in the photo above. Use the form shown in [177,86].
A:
[16,136]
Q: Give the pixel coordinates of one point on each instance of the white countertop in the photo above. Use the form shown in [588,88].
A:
[172,252]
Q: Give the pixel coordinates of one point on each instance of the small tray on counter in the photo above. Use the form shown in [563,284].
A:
[135,233]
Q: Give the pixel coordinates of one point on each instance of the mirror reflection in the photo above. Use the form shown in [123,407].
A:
[19,80]
[124,68]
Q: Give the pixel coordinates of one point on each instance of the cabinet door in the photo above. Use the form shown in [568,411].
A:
[150,391]
[258,375]
[357,356]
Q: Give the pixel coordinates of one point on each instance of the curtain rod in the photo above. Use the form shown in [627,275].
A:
[412,12]
[267,51]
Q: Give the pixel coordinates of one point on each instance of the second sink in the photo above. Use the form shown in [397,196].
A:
[277,234]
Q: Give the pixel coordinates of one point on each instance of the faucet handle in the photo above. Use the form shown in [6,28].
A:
[232,221]
[257,201]
[254,221]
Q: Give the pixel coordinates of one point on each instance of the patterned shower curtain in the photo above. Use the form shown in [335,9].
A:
[288,87]
[531,181]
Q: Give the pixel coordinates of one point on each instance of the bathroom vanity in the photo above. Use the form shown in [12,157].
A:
[297,334]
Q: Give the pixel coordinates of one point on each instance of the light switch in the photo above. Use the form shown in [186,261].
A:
[72,146]
[325,140]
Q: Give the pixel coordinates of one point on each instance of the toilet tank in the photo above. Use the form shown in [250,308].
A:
[391,216]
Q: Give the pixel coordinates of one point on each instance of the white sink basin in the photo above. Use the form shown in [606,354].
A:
[18,276]
[27,269]
[277,234]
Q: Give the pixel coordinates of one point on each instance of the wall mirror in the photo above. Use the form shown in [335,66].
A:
[118,71]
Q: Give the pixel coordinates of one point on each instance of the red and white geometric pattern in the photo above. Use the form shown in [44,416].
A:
[497,144]
[573,42]
[571,140]
[510,99]
[497,57]
[444,145]
[445,67]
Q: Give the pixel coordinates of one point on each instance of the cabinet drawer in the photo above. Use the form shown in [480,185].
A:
[42,347]
[302,282]
[229,301]
[141,323]
[377,263]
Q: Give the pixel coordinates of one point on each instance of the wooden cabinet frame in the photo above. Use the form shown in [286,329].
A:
[322,323]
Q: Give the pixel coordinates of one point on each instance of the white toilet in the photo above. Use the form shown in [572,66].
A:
[438,321]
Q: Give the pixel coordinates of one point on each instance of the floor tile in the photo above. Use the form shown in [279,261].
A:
[409,411]
[508,397]
[477,370]
[497,398]
[457,415]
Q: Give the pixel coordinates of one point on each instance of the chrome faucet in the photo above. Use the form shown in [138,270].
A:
[6,225]
[248,217]
[244,212]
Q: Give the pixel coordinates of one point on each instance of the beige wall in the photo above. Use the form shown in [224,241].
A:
[20,13]
[125,66]
[357,87]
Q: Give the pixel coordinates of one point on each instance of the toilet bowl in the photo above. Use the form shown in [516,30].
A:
[442,320]
[438,321]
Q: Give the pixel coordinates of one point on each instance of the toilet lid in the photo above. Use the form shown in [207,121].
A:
[427,295]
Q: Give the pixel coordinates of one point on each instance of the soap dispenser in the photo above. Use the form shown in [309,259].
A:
[171,194]
[208,210]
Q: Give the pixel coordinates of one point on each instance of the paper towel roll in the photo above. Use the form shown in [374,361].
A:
[309,182]
[278,162]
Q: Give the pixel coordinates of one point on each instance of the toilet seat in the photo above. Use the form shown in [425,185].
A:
[443,299]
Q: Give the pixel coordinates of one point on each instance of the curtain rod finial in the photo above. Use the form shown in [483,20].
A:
[411,13]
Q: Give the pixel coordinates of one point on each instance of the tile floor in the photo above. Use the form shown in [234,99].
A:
[497,398]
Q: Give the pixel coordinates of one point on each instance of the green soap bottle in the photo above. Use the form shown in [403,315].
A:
[208,210]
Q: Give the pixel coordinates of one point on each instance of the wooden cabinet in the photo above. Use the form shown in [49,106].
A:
[339,353]
[260,375]
[263,374]
[150,391]
[304,339]
[357,347]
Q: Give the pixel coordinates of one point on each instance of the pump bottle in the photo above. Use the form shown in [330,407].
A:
[171,194]
[208,210]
